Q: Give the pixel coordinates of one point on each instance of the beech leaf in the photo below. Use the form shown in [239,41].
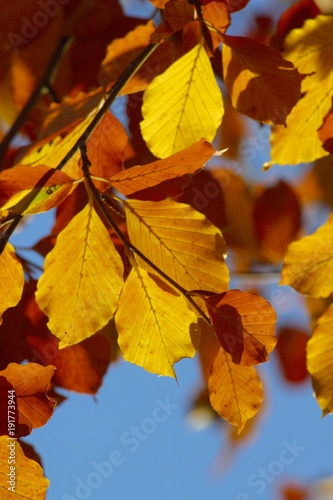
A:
[235,391]
[320,361]
[182,105]
[29,479]
[11,279]
[82,279]
[244,324]
[33,407]
[262,84]
[180,241]
[156,329]
[308,264]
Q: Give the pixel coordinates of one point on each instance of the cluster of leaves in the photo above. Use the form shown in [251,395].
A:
[136,257]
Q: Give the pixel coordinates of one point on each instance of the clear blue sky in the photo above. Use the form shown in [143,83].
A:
[138,425]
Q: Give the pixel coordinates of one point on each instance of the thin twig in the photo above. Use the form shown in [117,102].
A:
[44,82]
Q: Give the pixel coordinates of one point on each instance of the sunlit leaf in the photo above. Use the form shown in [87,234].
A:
[244,324]
[320,361]
[82,279]
[21,194]
[33,407]
[29,479]
[180,241]
[325,133]
[262,84]
[302,125]
[11,279]
[310,48]
[156,329]
[308,264]
[142,177]
[235,391]
[217,13]
[182,105]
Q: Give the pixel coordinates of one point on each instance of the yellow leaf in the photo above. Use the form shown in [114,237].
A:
[310,48]
[29,479]
[235,391]
[302,125]
[182,105]
[11,279]
[156,329]
[320,361]
[82,279]
[308,264]
[180,241]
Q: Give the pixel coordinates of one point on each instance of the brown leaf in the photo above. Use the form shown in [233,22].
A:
[326,132]
[262,84]
[291,351]
[244,324]
[33,407]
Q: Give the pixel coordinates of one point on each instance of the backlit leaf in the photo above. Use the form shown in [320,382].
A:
[20,192]
[29,479]
[142,177]
[325,133]
[180,241]
[302,125]
[320,361]
[82,279]
[33,407]
[156,329]
[244,324]
[182,105]
[11,279]
[310,48]
[235,391]
[291,351]
[262,84]
[308,264]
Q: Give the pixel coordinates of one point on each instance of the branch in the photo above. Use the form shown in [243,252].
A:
[44,83]
[101,204]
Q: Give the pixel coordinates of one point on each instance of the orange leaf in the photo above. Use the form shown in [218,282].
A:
[320,361]
[277,219]
[291,350]
[29,479]
[217,13]
[33,407]
[178,14]
[235,391]
[106,148]
[122,51]
[262,84]
[325,132]
[139,178]
[11,279]
[244,324]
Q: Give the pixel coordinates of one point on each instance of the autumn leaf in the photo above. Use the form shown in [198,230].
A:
[244,324]
[310,48]
[29,190]
[182,105]
[138,178]
[180,241]
[85,264]
[29,479]
[235,390]
[320,361]
[34,408]
[325,132]
[308,264]
[291,351]
[11,279]
[106,149]
[217,13]
[262,84]
[156,329]
[302,125]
